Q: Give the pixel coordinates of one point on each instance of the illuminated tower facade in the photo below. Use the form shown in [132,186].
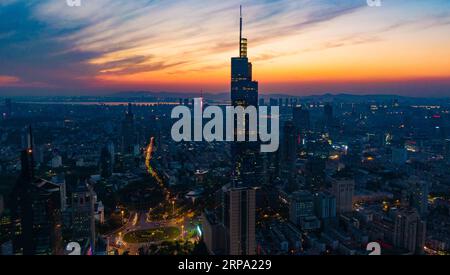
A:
[244,91]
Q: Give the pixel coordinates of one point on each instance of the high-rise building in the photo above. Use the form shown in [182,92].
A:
[244,93]
[301,210]
[239,220]
[60,180]
[213,233]
[289,154]
[325,205]
[83,214]
[343,189]
[36,210]
[106,166]
[315,174]
[128,134]
[409,231]
[328,115]
[302,119]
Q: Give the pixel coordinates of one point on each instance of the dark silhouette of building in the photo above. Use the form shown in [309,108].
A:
[83,214]
[328,115]
[128,132]
[36,210]
[239,220]
[301,119]
[409,231]
[244,93]
[315,174]
[289,154]
[106,165]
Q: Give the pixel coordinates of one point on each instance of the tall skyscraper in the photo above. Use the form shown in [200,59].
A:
[409,231]
[343,189]
[301,119]
[128,132]
[106,166]
[315,174]
[328,115]
[239,220]
[36,210]
[301,210]
[289,155]
[244,93]
[83,214]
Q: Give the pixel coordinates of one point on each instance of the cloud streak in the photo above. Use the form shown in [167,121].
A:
[149,41]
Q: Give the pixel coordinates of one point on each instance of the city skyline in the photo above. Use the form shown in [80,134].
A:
[353,177]
[297,47]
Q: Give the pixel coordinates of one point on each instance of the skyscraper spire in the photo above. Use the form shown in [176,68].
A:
[242,41]
[240,31]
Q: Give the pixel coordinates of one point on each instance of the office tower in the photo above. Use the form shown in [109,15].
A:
[325,205]
[301,119]
[328,115]
[36,210]
[239,220]
[315,174]
[128,134]
[420,190]
[289,142]
[213,233]
[343,190]
[244,93]
[83,214]
[289,154]
[60,180]
[301,210]
[399,155]
[409,231]
[106,166]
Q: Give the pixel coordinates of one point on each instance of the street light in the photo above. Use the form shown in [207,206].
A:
[173,208]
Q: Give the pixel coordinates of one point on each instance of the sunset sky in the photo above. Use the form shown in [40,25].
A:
[298,47]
